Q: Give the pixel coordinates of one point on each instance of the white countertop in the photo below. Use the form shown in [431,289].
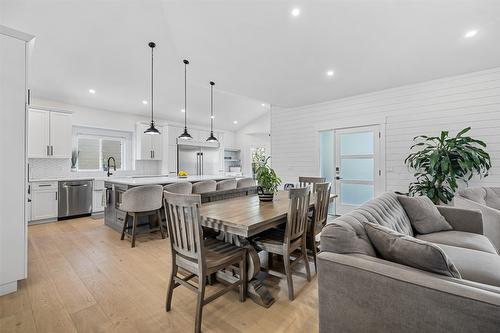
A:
[137,181]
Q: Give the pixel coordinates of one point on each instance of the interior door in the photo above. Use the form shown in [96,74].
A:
[357,173]
[60,134]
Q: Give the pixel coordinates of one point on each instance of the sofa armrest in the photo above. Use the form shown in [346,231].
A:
[468,220]
[358,293]
[491,218]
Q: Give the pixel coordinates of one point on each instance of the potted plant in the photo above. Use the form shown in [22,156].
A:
[441,162]
[268,181]
[258,157]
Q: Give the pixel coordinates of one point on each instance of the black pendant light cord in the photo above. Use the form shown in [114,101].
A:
[212,119]
[152,45]
[185,94]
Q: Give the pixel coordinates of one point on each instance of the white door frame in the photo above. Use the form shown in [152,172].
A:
[338,125]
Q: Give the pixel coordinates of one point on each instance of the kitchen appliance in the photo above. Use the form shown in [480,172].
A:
[75,198]
[198,158]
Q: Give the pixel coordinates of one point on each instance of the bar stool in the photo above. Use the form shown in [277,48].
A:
[204,186]
[141,201]
[228,184]
[179,188]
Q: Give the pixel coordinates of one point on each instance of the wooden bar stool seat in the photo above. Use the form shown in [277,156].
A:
[141,201]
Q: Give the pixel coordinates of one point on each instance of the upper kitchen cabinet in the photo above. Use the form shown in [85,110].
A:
[148,146]
[49,134]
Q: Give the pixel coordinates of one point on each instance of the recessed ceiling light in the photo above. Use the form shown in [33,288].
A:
[182,110]
[263,104]
[295,12]
[235,122]
[471,33]
[92,91]
[213,117]
[329,73]
[144,102]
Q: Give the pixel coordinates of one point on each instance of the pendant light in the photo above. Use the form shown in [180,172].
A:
[185,135]
[152,129]
[212,138]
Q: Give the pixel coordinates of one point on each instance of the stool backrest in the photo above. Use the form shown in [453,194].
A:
[142,198]
[183,221]
[297,213]
[179,188]
[227,184]
[246,182]
[204,186]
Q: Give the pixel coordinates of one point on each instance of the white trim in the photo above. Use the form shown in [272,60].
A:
[8,288]
[15,33]
[336,125]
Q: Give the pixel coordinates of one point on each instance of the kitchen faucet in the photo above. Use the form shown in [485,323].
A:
[109,164]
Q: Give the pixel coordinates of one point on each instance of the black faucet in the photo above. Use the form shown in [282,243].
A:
[109,165]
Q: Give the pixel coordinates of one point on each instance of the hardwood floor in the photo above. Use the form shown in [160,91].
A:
[82,278]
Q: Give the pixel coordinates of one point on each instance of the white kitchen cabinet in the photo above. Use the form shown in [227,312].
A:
[172,159]
[49,134]
[44,196]
[148,147]
[173,133]
[14,97]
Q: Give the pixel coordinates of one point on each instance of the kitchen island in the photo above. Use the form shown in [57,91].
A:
[115,187]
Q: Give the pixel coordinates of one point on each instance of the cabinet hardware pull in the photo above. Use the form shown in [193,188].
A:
[51,150]
[48,151]
[56,195]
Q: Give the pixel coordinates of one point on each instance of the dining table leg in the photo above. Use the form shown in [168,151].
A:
[257,291]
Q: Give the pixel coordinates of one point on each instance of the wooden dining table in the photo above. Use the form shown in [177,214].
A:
[240,218]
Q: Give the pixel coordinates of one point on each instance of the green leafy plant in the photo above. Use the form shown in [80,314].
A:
[267,177]
[441,162]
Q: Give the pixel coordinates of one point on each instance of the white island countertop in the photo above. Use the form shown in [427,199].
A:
[162,180]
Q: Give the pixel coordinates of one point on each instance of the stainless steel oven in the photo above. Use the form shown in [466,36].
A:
[75,198]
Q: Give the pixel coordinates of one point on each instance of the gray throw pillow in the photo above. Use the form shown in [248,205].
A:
[409,251]
[425,218]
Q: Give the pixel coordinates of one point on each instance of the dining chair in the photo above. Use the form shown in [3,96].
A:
[199,257]
[305,181]
[317,221]
[292,238]
[288,186]
[246,182]
[204,186]
[227,184]
[141,201]
[179,188]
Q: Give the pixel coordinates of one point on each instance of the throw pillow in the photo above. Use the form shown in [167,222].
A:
[409,251]
[424,216]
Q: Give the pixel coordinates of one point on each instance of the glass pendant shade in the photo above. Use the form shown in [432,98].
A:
[152,130]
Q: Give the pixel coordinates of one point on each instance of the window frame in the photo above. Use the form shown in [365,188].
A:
[123,152]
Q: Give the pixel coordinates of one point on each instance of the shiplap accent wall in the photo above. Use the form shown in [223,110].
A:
[426,108]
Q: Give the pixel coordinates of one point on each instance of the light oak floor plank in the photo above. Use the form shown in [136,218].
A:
[82,278]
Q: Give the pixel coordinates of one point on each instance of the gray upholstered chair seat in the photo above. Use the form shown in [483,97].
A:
[179,188]
[466,240]
[473,265]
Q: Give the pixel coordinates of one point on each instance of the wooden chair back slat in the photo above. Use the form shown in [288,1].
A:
[306,181]
[183,221]
[321,205]
[297,213]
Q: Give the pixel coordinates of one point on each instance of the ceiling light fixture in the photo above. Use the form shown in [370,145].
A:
[295,12]
[144,102]
[182,110]
[330,73]
[92,91]
[212,138]
[152,129]
[471,33]
[235,122]
[263,104]
[185,135]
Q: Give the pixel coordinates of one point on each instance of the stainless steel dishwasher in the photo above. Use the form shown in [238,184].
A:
[75,198]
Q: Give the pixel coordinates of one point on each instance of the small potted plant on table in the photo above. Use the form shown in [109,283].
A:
[268,181]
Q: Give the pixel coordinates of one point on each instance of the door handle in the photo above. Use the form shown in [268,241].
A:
[338,178]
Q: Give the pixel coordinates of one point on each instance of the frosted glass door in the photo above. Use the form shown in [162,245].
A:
[356,166]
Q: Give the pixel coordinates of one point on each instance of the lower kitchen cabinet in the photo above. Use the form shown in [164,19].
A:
[44,197]
[97,206]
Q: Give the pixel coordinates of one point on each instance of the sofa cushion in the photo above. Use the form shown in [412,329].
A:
[475,265]
[467,240]
[410,251]
[476,194]
[424,216]
[386,210]
[492,198]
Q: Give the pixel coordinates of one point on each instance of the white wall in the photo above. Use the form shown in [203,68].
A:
[255,134]
[425,108]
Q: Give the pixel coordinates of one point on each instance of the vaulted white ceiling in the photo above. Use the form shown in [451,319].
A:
[255,51]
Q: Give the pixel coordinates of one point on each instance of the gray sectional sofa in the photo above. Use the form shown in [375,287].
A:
[487,200]
[361,292]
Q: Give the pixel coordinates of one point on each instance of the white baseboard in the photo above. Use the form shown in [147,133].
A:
[8,288]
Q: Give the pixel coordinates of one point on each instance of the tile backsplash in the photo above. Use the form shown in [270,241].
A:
[42,168]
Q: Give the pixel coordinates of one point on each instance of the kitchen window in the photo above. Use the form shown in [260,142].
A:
[94,151]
